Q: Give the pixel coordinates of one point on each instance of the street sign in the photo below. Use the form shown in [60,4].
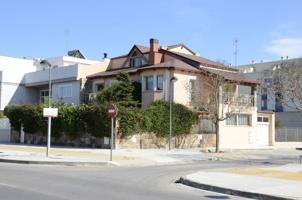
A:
[50,112]
[112,111]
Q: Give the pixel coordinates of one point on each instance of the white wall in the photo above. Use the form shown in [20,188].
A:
[75,97]
[12,78]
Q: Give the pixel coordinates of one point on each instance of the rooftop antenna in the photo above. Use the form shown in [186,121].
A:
[235,51]
[66,37]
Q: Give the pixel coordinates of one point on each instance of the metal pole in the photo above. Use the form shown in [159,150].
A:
[170,116]
[48,136]
[111,140]
[49,118]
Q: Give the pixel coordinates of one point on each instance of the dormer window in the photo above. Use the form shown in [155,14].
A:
[135,60]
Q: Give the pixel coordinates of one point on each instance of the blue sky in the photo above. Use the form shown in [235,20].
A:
[266,29]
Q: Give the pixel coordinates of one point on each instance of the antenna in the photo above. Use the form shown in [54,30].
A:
[235,51]
[66,37]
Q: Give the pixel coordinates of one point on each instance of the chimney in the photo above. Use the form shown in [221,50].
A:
[105,55]
[154,56]
[153,45]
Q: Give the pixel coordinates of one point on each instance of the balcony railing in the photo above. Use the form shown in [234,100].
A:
[240,99]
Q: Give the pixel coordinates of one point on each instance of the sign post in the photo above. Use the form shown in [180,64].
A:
[112,113]
[49,113]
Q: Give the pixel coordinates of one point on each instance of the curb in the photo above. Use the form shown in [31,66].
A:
[229,191]
[66,163]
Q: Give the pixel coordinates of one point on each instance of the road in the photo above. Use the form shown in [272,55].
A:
[39,182]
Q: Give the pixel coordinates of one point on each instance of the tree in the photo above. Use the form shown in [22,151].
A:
[285,85]
[120,92]
[214,97]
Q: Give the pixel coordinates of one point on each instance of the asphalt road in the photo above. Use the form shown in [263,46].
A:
[39,182]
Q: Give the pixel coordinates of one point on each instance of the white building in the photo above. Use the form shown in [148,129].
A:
[266,99]
[12,90]
[25,81]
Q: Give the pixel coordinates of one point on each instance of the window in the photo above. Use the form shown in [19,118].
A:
[99,87]
[232,120]
[160,82]
[192,88]
[149,83]
[44,94]
[262,119]
[65,91]
[239,120]
[135,60]
[243,120]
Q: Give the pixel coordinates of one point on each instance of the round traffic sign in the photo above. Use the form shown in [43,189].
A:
[112,111]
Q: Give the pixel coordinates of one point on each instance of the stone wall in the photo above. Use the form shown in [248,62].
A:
[147,141]
[84,141]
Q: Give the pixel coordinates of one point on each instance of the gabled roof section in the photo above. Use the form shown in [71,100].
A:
[200,60]
[140,48]
[76,53]
[171,47]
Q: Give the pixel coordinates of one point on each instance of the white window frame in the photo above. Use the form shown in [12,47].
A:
[237,120]
[62,86]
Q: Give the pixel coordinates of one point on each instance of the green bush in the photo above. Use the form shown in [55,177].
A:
[157,119]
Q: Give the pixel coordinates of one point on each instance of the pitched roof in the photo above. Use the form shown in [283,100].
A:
[180,45]
[230,76]
[202,61]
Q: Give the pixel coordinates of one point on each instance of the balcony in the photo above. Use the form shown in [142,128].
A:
[58,74]
[238,100]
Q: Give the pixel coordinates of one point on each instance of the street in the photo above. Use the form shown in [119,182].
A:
[39,182]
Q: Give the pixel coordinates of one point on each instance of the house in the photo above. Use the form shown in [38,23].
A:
[68,77]
[153,67]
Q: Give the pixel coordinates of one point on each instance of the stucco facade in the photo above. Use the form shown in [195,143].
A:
[155,66]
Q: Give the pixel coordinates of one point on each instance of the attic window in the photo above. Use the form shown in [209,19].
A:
[135,60]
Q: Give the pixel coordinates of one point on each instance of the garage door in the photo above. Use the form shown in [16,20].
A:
[262,134]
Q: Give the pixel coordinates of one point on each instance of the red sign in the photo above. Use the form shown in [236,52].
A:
[112,111]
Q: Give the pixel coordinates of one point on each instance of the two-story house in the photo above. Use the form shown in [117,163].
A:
[68,77]
[154,68]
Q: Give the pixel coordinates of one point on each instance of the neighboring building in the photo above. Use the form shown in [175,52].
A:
[154,66]
[24,81]
[268,100]
[12,90]
[68,77]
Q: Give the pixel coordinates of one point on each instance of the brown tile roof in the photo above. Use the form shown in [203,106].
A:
[231,76]
[202,61]
[142,49]
[112,73]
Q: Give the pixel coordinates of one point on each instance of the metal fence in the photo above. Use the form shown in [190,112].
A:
[288,135]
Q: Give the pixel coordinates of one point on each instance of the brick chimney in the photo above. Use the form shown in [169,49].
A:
[154,56]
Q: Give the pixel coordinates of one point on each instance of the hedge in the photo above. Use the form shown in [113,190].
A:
[74,120]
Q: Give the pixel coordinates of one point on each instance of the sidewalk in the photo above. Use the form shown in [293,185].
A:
[283,182]
[30,154]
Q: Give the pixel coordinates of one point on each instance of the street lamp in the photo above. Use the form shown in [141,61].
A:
[172,80]
[45,63]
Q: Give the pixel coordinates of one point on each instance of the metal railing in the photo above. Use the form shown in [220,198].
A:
[240,100]
[288,134]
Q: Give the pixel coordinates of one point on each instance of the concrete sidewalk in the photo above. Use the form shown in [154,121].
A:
[81,156]
[283,182]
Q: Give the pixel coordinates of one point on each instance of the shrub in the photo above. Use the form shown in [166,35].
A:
[157,119]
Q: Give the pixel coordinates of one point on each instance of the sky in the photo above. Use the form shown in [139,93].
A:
[265,29]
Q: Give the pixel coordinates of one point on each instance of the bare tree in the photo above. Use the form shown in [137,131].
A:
[286,84]
[216,98]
